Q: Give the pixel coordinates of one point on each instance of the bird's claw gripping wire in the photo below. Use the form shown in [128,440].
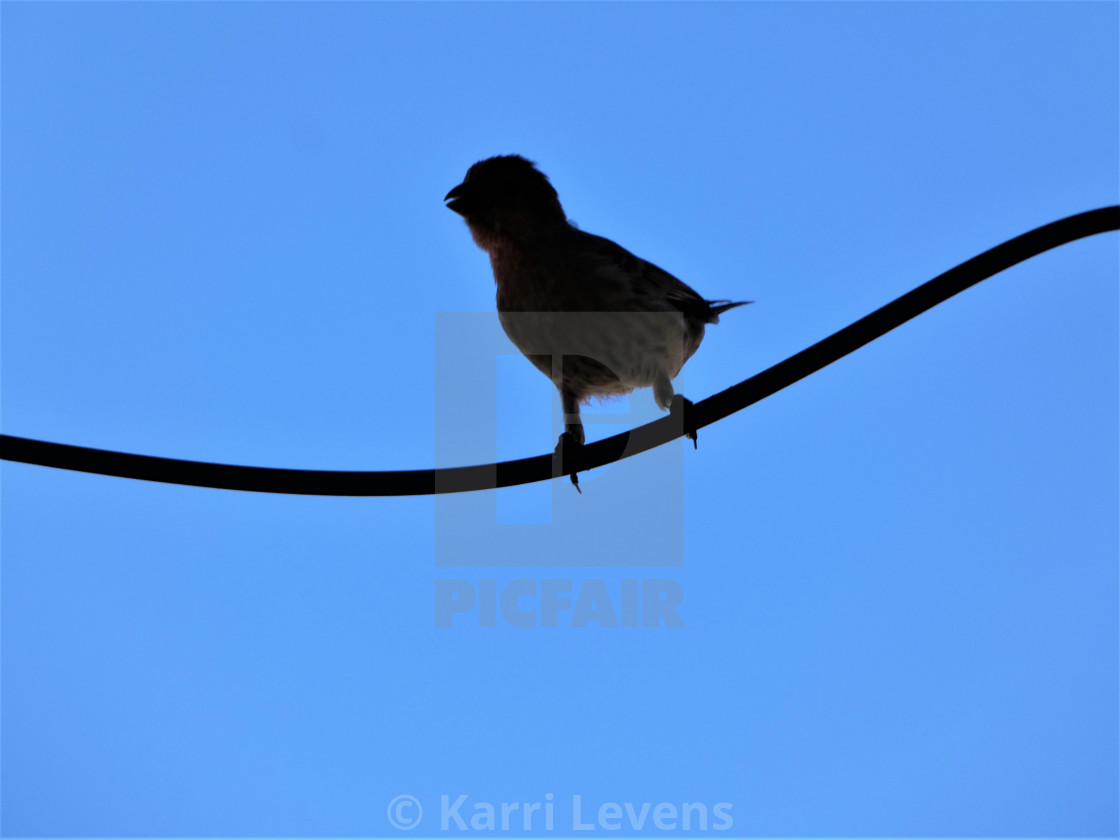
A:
[568,458]
[681,410]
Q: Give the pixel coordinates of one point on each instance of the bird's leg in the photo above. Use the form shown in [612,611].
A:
[568,457]
[682,407]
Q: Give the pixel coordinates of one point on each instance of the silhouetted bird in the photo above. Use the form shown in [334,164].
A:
[590,315]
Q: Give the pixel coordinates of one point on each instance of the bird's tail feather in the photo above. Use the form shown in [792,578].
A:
[721,306]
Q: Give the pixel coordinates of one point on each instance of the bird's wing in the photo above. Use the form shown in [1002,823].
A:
[633,283]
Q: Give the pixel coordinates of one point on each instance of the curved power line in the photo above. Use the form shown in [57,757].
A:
[527,470]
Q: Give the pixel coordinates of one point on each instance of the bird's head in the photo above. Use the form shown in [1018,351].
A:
[506,196]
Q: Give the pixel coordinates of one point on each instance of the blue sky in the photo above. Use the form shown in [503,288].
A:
[223,239]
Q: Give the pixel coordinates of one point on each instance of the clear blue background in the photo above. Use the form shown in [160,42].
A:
[223,239]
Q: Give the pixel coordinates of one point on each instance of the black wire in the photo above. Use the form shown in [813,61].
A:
[539,468]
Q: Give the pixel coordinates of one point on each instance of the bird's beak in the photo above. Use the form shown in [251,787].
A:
[455,199]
